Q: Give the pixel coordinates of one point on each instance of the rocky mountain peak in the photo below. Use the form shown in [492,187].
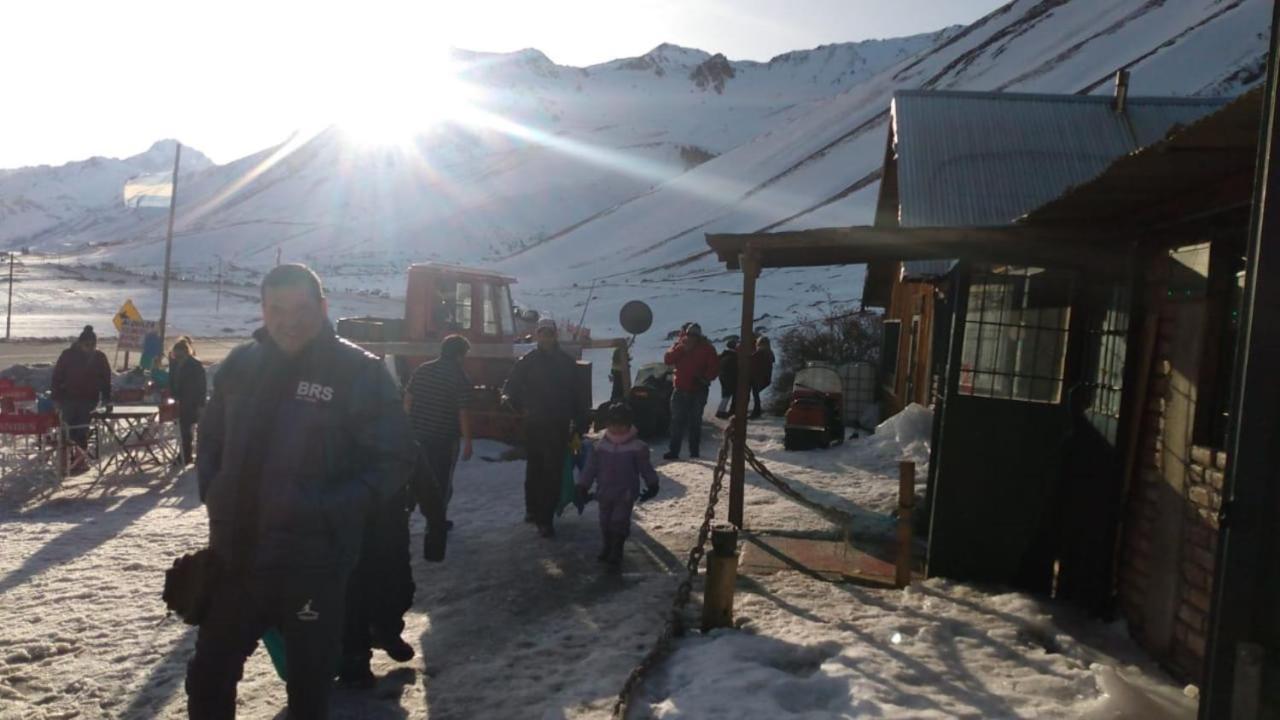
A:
[713,73]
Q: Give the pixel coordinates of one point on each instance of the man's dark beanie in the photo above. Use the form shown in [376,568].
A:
[88,334]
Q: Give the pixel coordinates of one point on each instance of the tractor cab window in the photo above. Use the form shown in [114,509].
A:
[453,312]
[462,315]
[490,309]
[498,319]
[506,319]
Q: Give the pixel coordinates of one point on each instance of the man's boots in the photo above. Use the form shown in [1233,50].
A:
[355,672]
[395,647]
[615,553]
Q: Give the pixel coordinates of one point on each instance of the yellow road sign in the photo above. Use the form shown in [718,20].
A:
[127,312]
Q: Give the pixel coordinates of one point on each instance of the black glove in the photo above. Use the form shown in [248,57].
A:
[648,493]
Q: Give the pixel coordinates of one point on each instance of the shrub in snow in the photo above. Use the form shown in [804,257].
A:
[835,339]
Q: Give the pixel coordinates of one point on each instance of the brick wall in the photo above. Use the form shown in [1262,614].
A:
[1199,548]
[1169,542]
[1137,557]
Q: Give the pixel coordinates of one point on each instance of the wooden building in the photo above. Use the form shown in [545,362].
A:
[1076,349]
[983,159]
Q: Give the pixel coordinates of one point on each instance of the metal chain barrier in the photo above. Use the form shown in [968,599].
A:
[836,516]
[674,627]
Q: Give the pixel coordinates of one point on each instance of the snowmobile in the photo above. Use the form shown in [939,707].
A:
[650,400]
[815,416]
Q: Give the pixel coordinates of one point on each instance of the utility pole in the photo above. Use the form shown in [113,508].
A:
[8,318]
[217,305]
[168,245]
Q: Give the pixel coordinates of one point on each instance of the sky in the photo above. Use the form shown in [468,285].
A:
[229,78]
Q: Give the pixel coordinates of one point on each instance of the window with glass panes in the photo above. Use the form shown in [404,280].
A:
[1015,333]
[1106,342]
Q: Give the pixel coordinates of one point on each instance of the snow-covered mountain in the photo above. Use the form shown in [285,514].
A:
[78,195]
[467,193]
[613,173]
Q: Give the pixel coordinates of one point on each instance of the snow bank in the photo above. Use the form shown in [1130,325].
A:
[938,649]
[37,375]
[907,434]
[1125,699]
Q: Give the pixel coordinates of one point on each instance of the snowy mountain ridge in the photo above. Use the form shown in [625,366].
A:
[614,173]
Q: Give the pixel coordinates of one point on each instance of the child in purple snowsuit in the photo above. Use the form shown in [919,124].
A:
[616,465]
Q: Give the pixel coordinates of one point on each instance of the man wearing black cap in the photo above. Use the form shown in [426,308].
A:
[543,385]
[81,379]
[302,436]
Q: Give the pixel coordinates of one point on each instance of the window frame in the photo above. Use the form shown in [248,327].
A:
[1002,352]
[889,353]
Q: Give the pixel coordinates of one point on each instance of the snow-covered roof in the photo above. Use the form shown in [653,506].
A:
[970,159]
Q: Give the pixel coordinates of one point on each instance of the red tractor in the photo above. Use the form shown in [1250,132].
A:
[443,300]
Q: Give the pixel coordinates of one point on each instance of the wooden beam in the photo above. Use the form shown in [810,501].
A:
[1083,248]
[741,395]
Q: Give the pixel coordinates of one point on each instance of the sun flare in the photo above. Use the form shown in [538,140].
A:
[389,98]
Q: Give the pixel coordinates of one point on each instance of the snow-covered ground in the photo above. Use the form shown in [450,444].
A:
[55,299]
[514,626]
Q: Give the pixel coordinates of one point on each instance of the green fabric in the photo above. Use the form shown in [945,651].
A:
[274,642]
[566,484]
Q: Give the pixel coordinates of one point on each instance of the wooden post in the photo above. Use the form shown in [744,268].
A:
[1246,590]
[906,508]
[168,244]
[738,429]
[8,318]
[722,577]
[217,304]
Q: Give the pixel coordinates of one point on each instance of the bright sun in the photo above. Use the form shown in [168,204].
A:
[387,96]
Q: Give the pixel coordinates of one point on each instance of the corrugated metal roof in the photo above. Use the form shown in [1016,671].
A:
[969,159]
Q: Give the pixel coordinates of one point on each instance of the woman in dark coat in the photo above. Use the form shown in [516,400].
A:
[761,372]
[187,386]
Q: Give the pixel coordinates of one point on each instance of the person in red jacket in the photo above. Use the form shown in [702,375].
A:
[696,365]
[81,378]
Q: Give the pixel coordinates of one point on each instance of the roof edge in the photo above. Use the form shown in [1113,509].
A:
[1065,98]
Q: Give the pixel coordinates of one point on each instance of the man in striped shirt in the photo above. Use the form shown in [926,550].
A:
[436,401]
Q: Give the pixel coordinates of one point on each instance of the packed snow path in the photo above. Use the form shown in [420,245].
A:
[510,625]
[513,626]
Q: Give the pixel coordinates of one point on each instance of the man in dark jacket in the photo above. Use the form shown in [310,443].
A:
[187,386]
[696,365]
[544,386]
[728,377]
[761,372]
[81,379]
[303,434]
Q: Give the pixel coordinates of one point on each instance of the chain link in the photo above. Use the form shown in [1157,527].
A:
[674,627]
[836,516]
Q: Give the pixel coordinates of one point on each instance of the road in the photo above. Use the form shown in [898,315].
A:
[30,352]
